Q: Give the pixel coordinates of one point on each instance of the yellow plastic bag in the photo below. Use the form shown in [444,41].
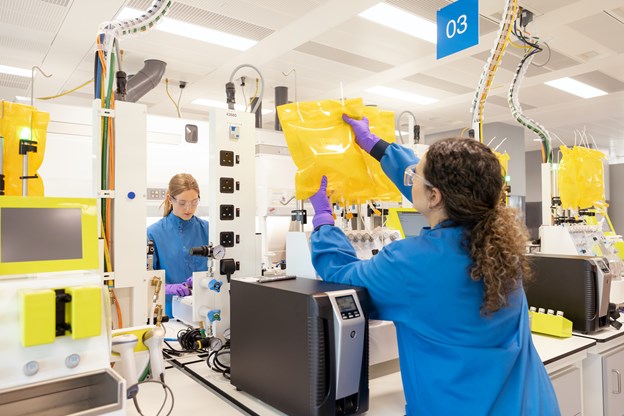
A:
[581,178]
[321,143]
[503,158]
[381,123]
[15,124]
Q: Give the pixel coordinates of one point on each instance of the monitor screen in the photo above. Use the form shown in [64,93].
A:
[43,235]
[412,223]
[37,234]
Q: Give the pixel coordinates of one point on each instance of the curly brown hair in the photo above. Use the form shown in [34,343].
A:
[468,175]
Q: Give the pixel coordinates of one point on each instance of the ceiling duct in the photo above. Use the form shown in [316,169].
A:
[145,80]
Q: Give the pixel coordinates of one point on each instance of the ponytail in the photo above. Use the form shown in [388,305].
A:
[497,244]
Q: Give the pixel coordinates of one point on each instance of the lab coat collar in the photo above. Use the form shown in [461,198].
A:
[177,221]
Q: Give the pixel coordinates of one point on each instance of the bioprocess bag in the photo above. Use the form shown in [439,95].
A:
[22,122]
[321,143]
[580,179]
[503,159]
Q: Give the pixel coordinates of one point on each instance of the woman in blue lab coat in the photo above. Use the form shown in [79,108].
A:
[454,292]
[175,234]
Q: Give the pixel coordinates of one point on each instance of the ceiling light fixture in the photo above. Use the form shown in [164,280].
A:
[401,95]
[402,21]
[575,87]
[188,30]
[12,70]
[221,104]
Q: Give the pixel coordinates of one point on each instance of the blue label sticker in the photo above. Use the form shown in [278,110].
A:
[458,27]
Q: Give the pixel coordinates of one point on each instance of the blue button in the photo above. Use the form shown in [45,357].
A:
[131,195]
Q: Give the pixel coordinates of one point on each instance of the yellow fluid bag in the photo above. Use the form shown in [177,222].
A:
[381,123]
[503,158]
[581,178]
[321,143]
[15,124]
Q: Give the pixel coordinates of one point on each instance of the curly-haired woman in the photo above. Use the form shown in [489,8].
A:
[455,292]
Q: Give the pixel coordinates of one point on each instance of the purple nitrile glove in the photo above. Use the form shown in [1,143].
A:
[189,282]
[363,136]
[178,289]
[322,208]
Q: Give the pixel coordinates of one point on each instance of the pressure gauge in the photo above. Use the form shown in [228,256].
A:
[215,344]
[226,334]
[218,252]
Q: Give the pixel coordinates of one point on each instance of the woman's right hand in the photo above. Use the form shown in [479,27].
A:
[363,136]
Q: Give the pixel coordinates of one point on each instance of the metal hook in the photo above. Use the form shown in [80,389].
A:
[289,72]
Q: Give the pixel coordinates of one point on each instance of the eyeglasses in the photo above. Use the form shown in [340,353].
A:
[184,204]
[410,174]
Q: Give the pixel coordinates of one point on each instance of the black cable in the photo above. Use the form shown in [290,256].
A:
[547,60]
[167,391]
[186,339]
[217,365]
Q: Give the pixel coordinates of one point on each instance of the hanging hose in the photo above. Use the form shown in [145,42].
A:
[230,88]
[516,109]
[490,68]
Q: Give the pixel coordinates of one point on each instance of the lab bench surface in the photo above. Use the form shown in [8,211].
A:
[197,387]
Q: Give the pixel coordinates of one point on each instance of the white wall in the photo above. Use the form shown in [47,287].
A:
[67,166]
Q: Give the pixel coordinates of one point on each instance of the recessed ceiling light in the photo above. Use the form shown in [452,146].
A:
[188,30]
[222,104]
[575,87]
[397,19]
[12,70]
[401,95]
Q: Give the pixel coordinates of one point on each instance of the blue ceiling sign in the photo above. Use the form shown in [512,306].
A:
[458,27]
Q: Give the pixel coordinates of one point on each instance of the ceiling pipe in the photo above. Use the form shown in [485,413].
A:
[145,80]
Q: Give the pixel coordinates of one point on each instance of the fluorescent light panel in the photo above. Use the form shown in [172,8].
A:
[20,72]
[397,19]
[188,30]
[401,95]
[575,87]
[222,104]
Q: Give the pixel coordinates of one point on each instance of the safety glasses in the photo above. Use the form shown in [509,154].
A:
[410,175]
[185,204]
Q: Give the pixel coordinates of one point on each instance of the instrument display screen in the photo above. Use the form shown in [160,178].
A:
[346,304]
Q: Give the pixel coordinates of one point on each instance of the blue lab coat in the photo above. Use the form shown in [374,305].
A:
[453,359]
[173,238]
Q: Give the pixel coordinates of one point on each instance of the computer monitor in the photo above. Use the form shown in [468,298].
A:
[39,234]
[407,220]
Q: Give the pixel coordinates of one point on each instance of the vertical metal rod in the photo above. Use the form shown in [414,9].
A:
[1,162]
[25,174]
[300,209]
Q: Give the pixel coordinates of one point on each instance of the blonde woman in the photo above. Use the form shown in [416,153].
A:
[175,234]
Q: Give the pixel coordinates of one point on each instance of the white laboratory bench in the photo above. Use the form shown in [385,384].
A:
[197,387]
[563,359]
[602,373]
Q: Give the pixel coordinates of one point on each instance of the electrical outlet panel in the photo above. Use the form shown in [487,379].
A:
[232,201]
[154,194]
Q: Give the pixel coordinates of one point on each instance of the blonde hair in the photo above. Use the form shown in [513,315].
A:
[179,183]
